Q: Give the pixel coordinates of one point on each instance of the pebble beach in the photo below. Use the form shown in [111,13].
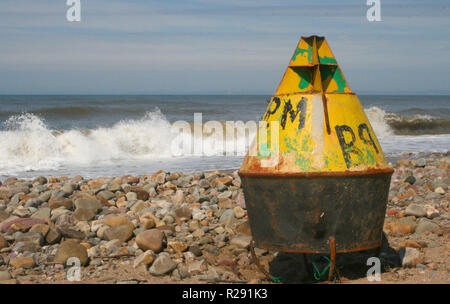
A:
[193,228]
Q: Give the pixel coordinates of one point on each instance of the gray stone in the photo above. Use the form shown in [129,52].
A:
[113,187]
[226,214]
[162,265]
[45,196]
[106,195]
[226,194]
[33,202]
[410,220]
[4,275]
[81,214]
[67,189]
[204,183]
[58,193]
[241,240]
[40,180]
[181,273]
[42,213]
[95,262]
[410,179]
[415,210]
[421,162]
[426,225]
[16,198]
[197,267]
[87,203]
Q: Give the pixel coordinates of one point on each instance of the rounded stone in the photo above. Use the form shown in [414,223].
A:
[3,242]
[70,249]
[150,240]
[122,233]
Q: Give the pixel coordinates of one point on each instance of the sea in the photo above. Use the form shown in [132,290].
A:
[112,135]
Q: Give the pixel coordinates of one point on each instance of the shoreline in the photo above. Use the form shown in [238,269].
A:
[193,228]
[391,159]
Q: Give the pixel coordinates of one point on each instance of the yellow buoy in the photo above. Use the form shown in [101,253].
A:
[315,179]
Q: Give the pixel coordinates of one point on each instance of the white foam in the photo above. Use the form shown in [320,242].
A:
[377,118]
[28,144]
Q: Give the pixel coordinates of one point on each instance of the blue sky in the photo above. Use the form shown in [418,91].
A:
[217,47]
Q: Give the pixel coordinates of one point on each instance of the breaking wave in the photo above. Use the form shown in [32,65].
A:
[27,143]
[386,124]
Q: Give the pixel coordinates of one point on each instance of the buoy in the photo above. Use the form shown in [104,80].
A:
[326,185]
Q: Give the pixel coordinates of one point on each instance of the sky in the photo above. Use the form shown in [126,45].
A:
[217,47]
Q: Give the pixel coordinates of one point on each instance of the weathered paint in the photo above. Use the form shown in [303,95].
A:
[312,95]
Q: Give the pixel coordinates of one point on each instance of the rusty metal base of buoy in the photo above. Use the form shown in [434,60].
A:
[321,214]
[303,214]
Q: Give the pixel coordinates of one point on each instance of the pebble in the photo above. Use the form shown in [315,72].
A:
[53,236]
[4,275]
[3,242]
[106,195]
[22,262]
[239,212]
[195,250]
[145,259]
[410,257]
[421,162]
[87,203]
[410,179]
[61,202]
[183,212]
[415,210]
[123,233]
[178,246]
[71,233]
[241,241]
[82,214]
[69,249]
[426,225]
[229,213]
[197,267]
[163,264]
[150,240]
[399,228]
[439,190]
[115,221]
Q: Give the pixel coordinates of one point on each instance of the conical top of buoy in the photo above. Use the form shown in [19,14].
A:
[322,125]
